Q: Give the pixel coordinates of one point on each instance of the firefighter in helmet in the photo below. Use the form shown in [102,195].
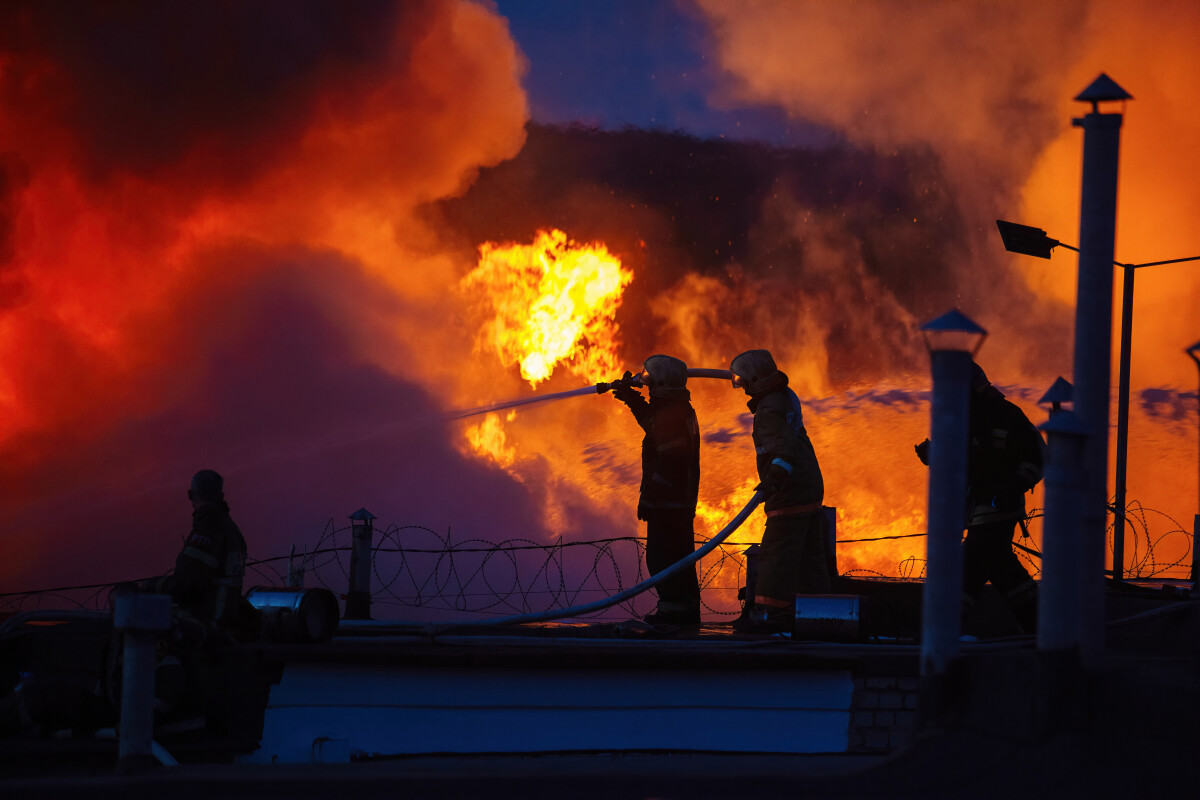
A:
[792,557]
[1004,461]
[670,481]
[207,582]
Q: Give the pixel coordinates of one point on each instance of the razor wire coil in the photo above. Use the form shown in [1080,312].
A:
[416,567]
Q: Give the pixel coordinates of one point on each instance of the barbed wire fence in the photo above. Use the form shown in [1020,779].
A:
[416,570]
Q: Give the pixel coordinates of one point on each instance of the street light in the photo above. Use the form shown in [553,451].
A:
[1194,353]
[953,339]
[1030,241]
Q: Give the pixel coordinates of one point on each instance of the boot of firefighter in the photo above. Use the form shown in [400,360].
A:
[1023,602]
[684,615]
[763,619]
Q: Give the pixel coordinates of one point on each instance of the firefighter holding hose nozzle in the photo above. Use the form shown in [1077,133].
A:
[792,558]
[670,480]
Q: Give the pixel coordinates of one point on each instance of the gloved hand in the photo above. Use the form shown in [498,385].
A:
[622,390]
[775,478]
[923,452]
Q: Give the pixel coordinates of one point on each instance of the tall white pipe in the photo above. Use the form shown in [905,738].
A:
[1093,345]
[941,601]
[1059,596]
[140,618]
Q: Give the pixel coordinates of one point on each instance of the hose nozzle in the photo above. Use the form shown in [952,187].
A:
[627,380]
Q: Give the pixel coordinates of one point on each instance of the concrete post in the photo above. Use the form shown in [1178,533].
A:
[1093,344]
[358,599]
[1059,595]
[941,603]
[295,574]
[141,618]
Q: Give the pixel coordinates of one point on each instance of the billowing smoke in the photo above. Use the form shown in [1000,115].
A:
[986,87]
[210,259]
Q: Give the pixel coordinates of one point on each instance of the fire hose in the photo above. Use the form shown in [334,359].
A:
[619,597]
[599,388]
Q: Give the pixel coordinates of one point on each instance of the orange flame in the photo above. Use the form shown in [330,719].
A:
[488,438]
[553,302]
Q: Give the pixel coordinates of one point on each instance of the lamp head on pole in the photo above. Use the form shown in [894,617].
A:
[1194,352]
[953,330]
[1026,239]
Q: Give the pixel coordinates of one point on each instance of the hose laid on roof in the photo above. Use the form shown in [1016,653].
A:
[619,597]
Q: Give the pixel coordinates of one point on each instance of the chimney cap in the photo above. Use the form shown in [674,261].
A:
[1059,392]
[1103,89]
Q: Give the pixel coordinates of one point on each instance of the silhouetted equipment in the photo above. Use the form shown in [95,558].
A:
[828,617]
[294,614]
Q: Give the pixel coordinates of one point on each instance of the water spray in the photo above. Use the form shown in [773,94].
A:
[599,388]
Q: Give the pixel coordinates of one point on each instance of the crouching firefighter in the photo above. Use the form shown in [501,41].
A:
[670,481]
[792,557]
[207,584]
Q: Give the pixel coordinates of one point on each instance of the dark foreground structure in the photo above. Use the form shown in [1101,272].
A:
[632,710]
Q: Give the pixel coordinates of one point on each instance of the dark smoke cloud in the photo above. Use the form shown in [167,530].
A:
[869,243]
[1167,403]
[145,81]
[267,389]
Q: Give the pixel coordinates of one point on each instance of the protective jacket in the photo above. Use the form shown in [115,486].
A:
[780,440]
[210,568]
[670,452]
[1004,458]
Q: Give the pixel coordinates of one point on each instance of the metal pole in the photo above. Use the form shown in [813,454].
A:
[1118,562]
[1058,596]
[140,618]
[1093,354]
[358,598]
[1191,351]
[941,602]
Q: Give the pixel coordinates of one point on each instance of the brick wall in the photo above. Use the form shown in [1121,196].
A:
[883,714]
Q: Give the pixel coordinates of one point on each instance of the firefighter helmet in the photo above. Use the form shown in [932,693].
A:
[753,370]
[207,486]
[663,374]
